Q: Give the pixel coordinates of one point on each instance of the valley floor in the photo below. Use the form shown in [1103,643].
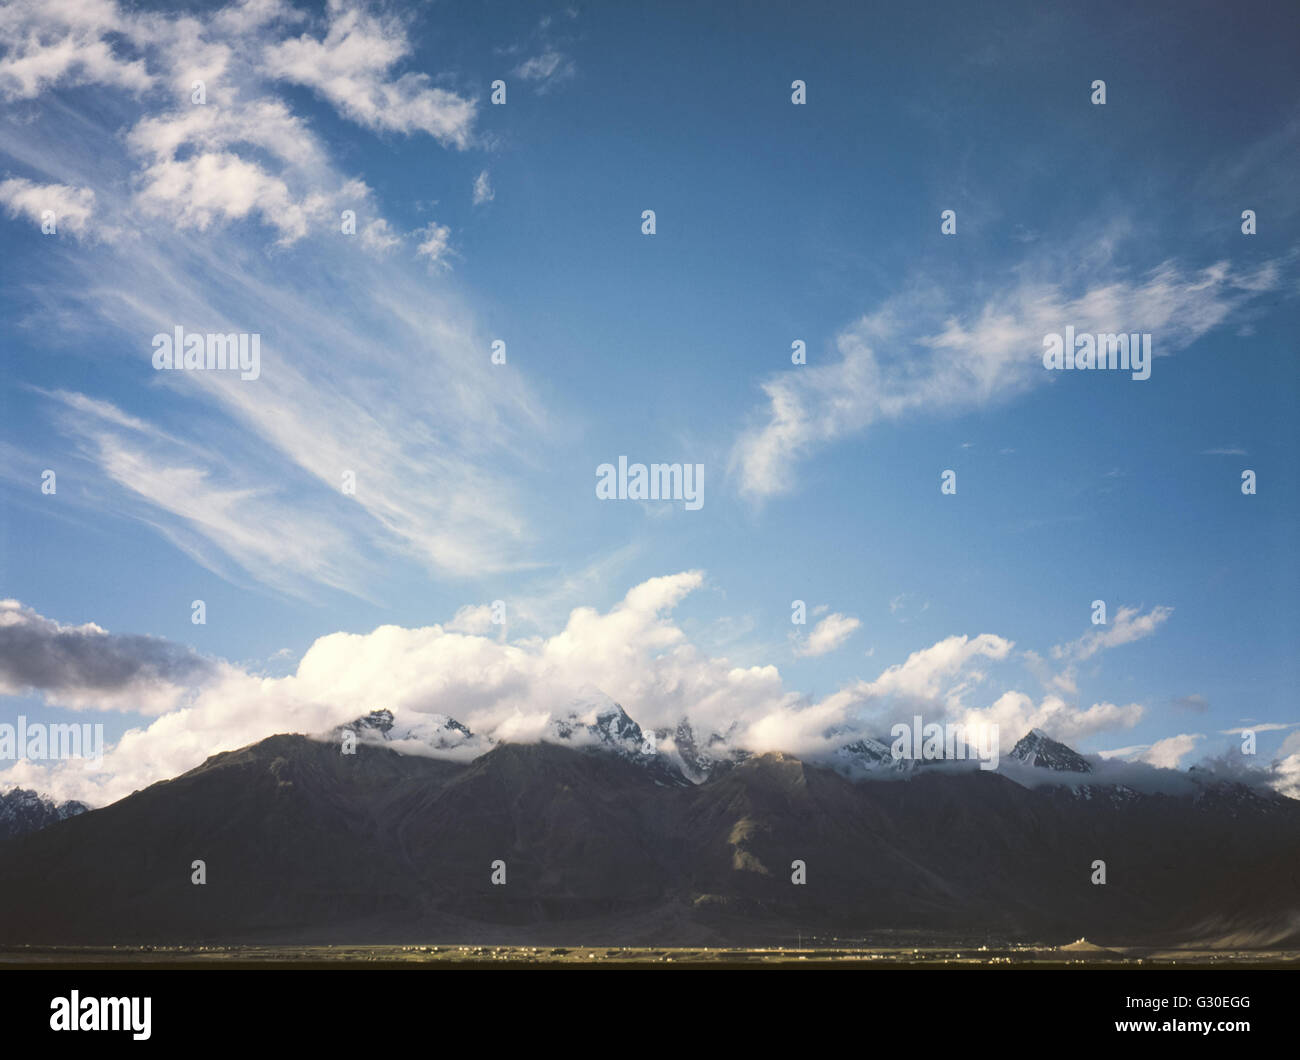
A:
[817,956]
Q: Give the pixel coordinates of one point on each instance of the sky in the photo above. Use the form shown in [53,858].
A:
[337,180]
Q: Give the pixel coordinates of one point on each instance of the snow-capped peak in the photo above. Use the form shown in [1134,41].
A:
[699,759]
[867,755]
[23,810]
[1036,748]
[593,718]
[594,722]
[439,732]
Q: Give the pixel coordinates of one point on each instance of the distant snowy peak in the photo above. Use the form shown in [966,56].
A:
[1233,794]
[594,722]
[593,719]
[378,723]
[871,750]
[700,758]
[23,811]
[437,731]
[866,756]
[1036,748]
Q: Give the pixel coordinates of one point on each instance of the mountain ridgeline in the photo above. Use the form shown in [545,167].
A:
[594,836]
[23,811]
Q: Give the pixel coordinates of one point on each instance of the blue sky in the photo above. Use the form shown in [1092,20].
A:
[775,222]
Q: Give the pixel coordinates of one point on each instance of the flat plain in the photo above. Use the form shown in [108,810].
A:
[1075,954]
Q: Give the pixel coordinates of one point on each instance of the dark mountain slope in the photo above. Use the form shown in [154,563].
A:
[290,831]
[580,833]
[303,842]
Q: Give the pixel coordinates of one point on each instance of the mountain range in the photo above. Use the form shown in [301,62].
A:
[23,811]
[601,836]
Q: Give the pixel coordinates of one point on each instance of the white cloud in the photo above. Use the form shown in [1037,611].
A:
[1164,754]
[247,15]
[1124,754]
[546,70]
[72,207]
[1129,624]
[65,42]
[1265,726]
[1016,713]
[378,238]
[427,456]
[241,154]
[1291,745]
[266,124]
[633,652]
[913,356]
[472,618]
[1286,773]
[483,189]
[906,603]
[351,67]
[926,672]
[827,635]
[1169,752]
[435,244]
[195,177]
[204,188]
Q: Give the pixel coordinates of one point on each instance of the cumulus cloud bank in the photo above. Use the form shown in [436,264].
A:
[502,689]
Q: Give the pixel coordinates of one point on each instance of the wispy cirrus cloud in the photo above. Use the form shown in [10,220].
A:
[919,354]
[202,500]
[547,61]
[546,69]
[1129,624]
[369,372]
[1263,726]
